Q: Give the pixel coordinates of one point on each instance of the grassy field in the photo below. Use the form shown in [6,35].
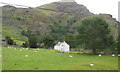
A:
[45,59]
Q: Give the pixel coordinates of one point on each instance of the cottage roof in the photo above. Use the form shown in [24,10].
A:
[58,44]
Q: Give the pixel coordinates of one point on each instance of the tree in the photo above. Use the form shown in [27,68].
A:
[71,40]
[48,41]
[94,34]
[118,47]
[32,38]
[33,41]
[9,40]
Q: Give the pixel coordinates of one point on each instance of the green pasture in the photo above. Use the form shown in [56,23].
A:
[47,59]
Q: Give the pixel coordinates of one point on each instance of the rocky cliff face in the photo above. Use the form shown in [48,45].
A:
[69,7]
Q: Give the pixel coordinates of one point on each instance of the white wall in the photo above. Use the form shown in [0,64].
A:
[63,47]
[66,47]
[56,47]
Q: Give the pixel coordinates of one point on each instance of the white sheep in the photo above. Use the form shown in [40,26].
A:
[113,54]
[35,51]
[0,56]
[100,55]
[27,48]
[20,49]
[8,47]
[15,49]
[70,56]
[81,52]
[26,55]
[91,65]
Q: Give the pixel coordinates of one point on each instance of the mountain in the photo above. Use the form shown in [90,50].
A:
[57,14]
[78,12]
[69,7]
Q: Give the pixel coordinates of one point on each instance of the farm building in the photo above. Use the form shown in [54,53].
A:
[62,46]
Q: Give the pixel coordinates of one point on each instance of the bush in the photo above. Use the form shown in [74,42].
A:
[25,45]
[9,40]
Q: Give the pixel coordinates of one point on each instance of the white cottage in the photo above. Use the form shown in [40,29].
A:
[62,46]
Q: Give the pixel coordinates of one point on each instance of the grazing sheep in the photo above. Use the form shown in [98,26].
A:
[20,49]
[27,48]
[35,51]
[8,46]
[91,65]
[26,55]
[70,56]
[113,54]
[81,52]
[15,49]
[100,55]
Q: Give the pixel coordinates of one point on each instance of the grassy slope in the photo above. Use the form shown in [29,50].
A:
[48,60]
[31,20]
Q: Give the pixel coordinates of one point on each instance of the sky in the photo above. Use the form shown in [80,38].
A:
[94,6]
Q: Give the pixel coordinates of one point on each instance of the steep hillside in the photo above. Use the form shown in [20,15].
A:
[57,14]
[66,13]
[16,20]
[78,13]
